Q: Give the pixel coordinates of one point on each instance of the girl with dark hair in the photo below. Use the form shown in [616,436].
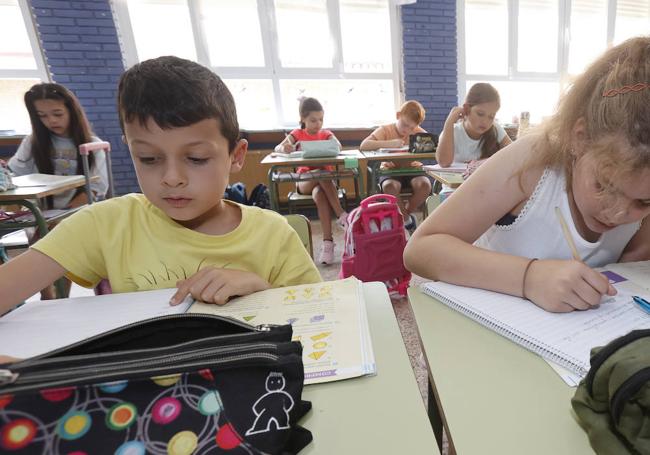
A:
[470,132]
[324,192]
[59,126]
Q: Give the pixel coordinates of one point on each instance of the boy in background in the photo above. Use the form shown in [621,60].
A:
[396,135]
[180,123]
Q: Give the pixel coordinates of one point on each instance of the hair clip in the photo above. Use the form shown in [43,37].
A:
[626,88]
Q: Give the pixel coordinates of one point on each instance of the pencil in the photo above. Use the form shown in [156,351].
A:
[567,234]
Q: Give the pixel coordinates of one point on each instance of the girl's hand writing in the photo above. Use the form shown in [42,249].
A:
[471,167]
[288,147]
[563,286]
[218,285]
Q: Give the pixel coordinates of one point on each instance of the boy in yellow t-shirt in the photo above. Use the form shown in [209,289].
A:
[396,135]
[180,123]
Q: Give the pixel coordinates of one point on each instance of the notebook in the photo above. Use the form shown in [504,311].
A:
[563,338]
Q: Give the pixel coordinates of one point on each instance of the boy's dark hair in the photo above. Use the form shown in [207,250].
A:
[175,92]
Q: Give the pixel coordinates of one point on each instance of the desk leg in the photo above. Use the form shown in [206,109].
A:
[60,284]
[273,191]
[434,415]
[373,171]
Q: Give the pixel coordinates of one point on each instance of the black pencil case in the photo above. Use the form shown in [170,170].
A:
[179,384]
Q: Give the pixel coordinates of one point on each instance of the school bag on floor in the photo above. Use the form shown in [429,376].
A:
[613,402]
[374,244]
[189,383]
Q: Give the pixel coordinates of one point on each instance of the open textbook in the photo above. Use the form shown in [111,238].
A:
[329,319]
[562,338]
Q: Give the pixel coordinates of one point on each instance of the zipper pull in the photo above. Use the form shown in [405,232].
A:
[7,377]
[264,327]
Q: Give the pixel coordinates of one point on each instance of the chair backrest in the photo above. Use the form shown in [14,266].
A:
[301,224]
[430,204]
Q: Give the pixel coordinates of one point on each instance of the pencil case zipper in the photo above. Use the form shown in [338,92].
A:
[267,354]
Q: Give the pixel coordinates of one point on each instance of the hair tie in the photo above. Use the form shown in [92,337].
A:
[625,89]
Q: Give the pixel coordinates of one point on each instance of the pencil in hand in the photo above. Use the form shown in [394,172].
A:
[567,235]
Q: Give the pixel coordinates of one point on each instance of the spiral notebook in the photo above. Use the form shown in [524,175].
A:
[563,338]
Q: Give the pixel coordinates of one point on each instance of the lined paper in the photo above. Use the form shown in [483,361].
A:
[41,326]
[565,338]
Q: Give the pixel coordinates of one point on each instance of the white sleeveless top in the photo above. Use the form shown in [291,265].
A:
[536,232]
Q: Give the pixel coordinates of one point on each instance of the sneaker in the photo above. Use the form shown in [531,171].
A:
[410,225]
[342,220]
[326,255]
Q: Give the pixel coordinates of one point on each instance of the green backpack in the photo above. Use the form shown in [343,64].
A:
[613,402]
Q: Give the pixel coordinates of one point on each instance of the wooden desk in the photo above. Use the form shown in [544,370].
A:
[382,414]
[492,395]
[277,162]
[31,188]
[375,158]
[450,179]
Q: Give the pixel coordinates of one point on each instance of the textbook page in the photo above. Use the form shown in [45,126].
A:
[636,272]
[44,325]
[455,167]
[328,318]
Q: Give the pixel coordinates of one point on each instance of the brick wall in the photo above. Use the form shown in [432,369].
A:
[430,58]
[81,49]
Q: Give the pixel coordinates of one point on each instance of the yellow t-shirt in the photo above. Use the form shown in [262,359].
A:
[137,247]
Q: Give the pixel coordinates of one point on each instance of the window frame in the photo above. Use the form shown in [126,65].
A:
[41,72]
[561,76]
[272,69]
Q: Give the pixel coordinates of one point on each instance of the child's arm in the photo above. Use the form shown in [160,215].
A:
[445,150]
[370,143]
[441,248]
[218,285]
[24,276]
[286,146]
[638,248]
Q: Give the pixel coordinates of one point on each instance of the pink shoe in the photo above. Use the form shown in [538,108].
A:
[342,220]
[326,252]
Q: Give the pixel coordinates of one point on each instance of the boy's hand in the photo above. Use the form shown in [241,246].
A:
[564,286]
[395,143]
[215,285]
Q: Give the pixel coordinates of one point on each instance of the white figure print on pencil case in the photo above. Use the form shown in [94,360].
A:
[272,407]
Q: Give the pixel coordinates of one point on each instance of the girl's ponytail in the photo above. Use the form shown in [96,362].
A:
[489,143]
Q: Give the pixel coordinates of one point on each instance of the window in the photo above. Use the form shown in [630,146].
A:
[21,64]
[530,49]
[272,52]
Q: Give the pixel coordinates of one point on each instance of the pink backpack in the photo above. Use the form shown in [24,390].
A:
[374,244]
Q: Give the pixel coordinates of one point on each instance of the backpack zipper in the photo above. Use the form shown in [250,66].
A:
[609,349]
[629,387]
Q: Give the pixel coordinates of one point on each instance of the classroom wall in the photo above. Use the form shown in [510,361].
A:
[81,48]
[430,58]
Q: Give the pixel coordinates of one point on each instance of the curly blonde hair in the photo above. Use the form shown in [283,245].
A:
[616,119]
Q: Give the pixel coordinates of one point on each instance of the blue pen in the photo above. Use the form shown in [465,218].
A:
[642,303]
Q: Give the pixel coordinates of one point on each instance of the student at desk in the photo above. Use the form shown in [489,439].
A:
[470,134]
[587,168]
[180,123]
[409,118]
[59,127]
[324,192]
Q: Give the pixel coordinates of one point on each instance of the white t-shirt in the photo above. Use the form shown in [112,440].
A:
[536,232]
[64,162]
[468,149]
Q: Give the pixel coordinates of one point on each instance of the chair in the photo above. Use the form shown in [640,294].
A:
[302,226]
[430,205]
[297,200]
